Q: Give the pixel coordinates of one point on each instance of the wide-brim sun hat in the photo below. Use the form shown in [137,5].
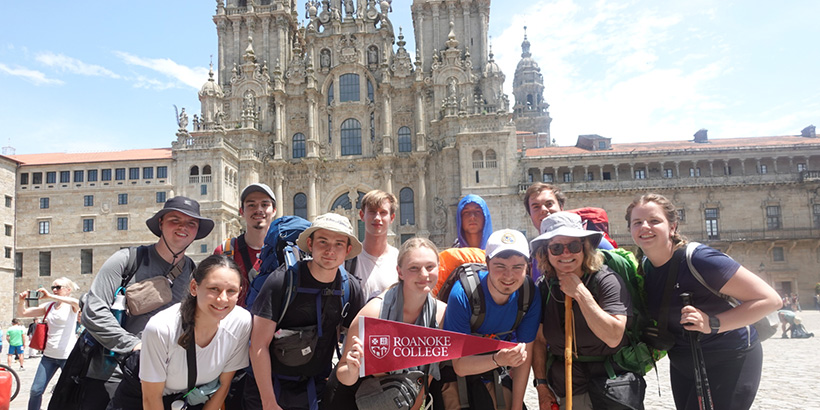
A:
[183,205]
[334,223]
[565,224]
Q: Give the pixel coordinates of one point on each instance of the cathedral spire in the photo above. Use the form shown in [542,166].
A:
[525,46]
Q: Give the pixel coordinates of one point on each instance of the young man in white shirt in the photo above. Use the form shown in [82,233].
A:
[376,265]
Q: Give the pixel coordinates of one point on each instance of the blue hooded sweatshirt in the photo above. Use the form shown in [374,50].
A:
[488,223]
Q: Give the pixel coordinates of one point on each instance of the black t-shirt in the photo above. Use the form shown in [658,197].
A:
[302,312]
[613,297]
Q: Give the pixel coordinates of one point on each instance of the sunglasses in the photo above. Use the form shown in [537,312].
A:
[56,287]
[556,249]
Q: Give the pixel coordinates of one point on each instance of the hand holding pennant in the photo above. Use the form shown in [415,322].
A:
[390,345]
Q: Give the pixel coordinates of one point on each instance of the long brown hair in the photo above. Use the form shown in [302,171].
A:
[669,211]
[188,308]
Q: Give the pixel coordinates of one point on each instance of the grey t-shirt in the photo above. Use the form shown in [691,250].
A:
[98,318]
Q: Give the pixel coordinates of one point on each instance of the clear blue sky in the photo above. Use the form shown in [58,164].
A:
[83,76]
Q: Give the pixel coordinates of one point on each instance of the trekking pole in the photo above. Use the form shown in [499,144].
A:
[701,381]
[568,327]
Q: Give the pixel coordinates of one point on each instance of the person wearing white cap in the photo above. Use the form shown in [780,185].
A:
[568,255]
[257,206]
[511,310]
[296,380]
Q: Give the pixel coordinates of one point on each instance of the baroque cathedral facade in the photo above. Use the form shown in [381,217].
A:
[325,111]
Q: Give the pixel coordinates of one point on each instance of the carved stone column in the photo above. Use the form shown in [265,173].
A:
[421,220]
[280,196]
[388,178]
[313,140]
[312,204]
[420,126]
[387,124]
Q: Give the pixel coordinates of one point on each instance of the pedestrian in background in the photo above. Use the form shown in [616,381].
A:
[61,318]
[16,336]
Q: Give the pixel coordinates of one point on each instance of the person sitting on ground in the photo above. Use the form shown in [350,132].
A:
[61,318]
[207,321]
[408,301]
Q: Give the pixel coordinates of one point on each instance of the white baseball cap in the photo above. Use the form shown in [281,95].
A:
[507,240]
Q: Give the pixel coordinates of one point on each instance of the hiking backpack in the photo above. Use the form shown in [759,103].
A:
[282,233]
[467,274]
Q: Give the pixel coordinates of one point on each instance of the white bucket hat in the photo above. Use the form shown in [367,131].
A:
[334,223]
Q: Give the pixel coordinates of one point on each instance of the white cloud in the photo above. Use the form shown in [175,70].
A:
[193,77]
[618,69]
[36,77]
[73,65]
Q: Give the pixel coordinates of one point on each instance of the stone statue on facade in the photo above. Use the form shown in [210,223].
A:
[324,58]
[183,119]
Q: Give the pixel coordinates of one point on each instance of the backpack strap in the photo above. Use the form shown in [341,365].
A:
[136,254]
[690,250]
[472,288]
[525,299]
[228,246]
[242,248]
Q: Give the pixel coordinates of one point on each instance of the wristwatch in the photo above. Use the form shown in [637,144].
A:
[536,382]
[714,324]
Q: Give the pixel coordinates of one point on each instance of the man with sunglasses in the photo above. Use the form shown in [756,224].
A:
[511,312]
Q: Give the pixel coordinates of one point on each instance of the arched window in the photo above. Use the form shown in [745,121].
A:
[478,159]
[298,145]
[300,205]
[206,170]
[351,137]
[407,208]
[490,157]
[194,171]
[529,101]
[330,94]
[348,87]
[405,143]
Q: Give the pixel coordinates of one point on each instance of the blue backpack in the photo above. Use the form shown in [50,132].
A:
[282,233]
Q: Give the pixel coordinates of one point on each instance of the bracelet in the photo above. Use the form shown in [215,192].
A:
[493,357]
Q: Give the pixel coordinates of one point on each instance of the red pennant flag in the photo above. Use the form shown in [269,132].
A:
[390,345]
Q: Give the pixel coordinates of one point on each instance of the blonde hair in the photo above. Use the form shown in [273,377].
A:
[413,244]
[593,259]
[64,281]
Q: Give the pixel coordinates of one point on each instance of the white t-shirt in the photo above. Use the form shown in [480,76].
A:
[377,274]
[163,360]
[62,324]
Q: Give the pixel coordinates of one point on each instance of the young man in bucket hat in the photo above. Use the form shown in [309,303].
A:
[511,309]
[257,206]
[177,225]
[296,380]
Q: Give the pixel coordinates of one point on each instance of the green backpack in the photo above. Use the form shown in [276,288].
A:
[636,357]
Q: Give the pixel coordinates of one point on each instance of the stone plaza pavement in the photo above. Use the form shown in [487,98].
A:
[791,375]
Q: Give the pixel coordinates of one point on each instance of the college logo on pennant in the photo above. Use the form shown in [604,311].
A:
[379,345]
[390,345]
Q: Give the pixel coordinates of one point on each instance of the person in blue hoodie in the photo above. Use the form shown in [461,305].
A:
[473,223]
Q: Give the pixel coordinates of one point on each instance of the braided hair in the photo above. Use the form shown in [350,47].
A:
[188,308]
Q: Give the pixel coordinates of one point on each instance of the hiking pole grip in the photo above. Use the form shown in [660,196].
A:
[568,328]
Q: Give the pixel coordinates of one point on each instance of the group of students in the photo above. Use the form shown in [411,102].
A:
[198,351]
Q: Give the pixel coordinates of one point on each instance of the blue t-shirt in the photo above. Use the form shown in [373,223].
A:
[498,318]
[716,268]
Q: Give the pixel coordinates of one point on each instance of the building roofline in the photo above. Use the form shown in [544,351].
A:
[92,157]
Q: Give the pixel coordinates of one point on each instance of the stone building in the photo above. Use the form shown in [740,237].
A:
[75,210]
[327,110]
[8,178]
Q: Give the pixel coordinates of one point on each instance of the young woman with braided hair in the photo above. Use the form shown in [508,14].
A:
[209,317]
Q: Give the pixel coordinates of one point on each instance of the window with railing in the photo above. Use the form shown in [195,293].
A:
[711,218]
[490,159]
[478,159]
[773,217]
[206,174]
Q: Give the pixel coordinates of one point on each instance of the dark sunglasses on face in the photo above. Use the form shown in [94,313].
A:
[56,287]
[556,249]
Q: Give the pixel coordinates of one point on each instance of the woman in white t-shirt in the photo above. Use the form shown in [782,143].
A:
[61,318]
[221,331]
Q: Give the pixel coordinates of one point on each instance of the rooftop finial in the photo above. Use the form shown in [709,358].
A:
[525,45]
